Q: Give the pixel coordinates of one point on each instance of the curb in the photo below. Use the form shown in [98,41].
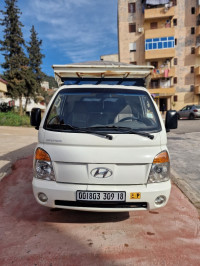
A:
[193,197]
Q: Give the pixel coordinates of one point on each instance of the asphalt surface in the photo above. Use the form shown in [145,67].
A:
[34,235]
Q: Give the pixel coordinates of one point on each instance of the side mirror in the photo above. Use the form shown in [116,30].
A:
[171,120]
[36,117]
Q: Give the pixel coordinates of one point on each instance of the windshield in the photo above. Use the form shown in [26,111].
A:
[104,110]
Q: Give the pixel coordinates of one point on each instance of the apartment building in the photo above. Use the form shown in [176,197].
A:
[3,88]
[165,34]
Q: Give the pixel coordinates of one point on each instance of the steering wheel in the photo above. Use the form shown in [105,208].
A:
[128,118]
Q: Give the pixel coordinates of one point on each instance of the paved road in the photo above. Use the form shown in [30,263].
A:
[34,235]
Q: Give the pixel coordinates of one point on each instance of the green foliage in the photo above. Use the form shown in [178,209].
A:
[51,80]
[13,45]
[35,55]
[14,119]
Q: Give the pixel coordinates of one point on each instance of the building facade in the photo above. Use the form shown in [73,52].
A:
[3,88]
[165,34]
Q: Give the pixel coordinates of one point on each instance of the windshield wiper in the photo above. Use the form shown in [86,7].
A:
[144,134]
[92,130]
[80,130]
[126,130]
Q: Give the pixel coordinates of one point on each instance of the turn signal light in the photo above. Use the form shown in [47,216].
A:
[162,157]
[42,155]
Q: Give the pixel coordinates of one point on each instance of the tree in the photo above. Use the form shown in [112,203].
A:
[13,44]
[35,60]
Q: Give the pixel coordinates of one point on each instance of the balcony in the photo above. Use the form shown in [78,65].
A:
[197,71]
[197,30]
[198,51]
[159,54]
[197,89]
[161,32]
[159,73]
[162,91]
[161,12]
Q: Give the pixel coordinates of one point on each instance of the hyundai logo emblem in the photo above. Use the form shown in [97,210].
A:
[101,172]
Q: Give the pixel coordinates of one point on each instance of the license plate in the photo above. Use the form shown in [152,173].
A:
[100,196]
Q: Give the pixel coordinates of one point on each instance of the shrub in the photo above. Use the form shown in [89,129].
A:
[13,119]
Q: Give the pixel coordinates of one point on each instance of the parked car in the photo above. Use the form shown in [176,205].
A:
[190,112]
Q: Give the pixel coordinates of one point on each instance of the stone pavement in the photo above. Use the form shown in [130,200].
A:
[31,234]
[185,163]
[15,143]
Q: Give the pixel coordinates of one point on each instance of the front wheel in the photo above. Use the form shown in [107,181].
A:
[191,116]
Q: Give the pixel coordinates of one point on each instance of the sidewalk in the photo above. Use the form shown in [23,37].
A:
[16,143]
[185,163]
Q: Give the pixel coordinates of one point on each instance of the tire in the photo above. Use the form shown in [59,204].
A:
[191,116]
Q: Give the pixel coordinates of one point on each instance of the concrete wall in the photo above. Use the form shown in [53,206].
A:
[110,57]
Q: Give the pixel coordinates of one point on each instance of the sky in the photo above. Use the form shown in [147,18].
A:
[71,31]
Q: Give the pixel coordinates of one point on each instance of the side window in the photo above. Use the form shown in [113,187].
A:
[54,117]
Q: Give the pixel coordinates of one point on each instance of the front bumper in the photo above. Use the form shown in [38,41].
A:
[62,195]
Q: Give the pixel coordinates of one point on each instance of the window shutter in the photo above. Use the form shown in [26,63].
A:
[132,46]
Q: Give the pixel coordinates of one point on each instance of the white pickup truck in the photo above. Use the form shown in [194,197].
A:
[102,143]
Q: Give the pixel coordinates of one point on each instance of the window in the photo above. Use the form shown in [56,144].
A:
[154,25]
[193,30]
[175,22]
[175,61]
[132,47]
[175,98]
[159,43]
[175,80]
[192,88]
[192,50]
[155,84]
[191,69]
[132,27]
[133,62]
[193,10]
[155,64]
[175,41]
[131,8]
[174,2]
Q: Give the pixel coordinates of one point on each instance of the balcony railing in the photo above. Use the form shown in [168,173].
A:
[163,91]
[163,73]
[198,50]
[197,71]
[197,89]
[162,53]
[160,32]
[160,12]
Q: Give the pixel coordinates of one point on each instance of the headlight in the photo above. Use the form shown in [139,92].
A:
[43,166]
[160,169]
